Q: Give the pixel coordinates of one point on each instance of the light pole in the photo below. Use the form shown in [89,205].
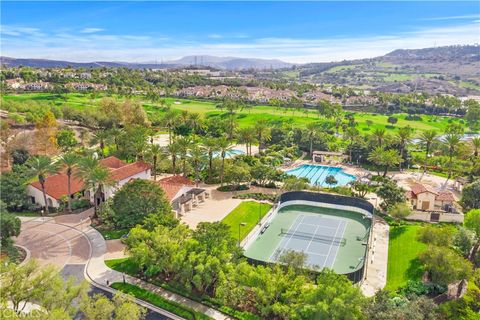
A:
[241,224]
[259,212]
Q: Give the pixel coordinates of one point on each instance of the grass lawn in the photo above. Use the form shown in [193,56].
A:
[27,214]
[245,117]
[113,234]
[159,301]
[124,265]
[403,251]
[249,212]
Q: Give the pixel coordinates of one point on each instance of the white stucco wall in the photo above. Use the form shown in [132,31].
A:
[110,191]
[38,195]
[426,196]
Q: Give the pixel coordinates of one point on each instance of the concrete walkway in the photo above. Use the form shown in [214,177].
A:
[376,268]
[98,272]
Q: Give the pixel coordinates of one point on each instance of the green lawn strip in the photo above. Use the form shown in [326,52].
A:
[27,214]
[403,252]
[248,212]
[113,234]
[159,301]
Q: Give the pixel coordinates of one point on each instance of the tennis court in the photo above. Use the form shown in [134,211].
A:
[319,237]
[330,238]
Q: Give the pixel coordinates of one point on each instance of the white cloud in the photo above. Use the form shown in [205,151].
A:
[91,30]
[467,16]
[31,43]
[215,36]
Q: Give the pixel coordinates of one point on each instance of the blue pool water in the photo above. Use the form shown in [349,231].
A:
[229,154]
[317,174]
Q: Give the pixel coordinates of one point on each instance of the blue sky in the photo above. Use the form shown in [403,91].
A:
[291,31]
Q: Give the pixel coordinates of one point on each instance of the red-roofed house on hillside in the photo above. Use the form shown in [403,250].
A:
[426,199]
[182,193]
[56,186]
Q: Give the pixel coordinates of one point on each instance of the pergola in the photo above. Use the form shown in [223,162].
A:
[324,156]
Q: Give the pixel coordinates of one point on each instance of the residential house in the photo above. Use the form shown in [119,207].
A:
[14,83]
[37,86]
[425,198]
[56,186]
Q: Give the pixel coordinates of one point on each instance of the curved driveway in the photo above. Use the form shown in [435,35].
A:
[64,242]
[53,243]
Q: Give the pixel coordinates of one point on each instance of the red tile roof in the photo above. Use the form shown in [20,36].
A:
[170,189]
[172,185]
[445,196]
[129,170]
[420,188]
[177,180]
[112,162]
[56,185]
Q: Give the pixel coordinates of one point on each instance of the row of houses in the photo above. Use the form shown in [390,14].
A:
[179,190]
[19,84]
[264,95]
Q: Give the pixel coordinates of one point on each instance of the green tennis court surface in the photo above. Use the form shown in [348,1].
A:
[330,238]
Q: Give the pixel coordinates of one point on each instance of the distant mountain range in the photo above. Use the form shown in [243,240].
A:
[224,63]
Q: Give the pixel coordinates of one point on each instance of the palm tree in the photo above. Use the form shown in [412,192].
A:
[197,156]
[69,161]
[97,179]
[231,106]
[196,122]
[428,138]
[170,121]
[211,146]
[247,136]
[312,132]
[404,136]
[351,134]
[114,134]
[263,132]
[184,145]
[476,146]
[224,147]
[174,149]
[380,135]
[100,137]
[452,142]
[385,158]
[41,167]
[154,153]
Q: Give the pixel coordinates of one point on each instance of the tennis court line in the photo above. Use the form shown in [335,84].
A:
[284,238]
[330,248]
[311,239]
[294,231]
[315,254]
[317,225]
[343,232]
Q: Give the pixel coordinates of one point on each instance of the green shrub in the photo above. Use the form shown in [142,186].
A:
[80,204]
[229,188]
[159,301]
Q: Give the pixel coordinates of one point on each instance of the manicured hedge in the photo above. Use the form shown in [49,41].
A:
[159,301]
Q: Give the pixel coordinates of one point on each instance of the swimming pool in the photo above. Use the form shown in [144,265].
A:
[317,175]
[229,154]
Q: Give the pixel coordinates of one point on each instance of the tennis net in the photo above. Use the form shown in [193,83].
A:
[314,237]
